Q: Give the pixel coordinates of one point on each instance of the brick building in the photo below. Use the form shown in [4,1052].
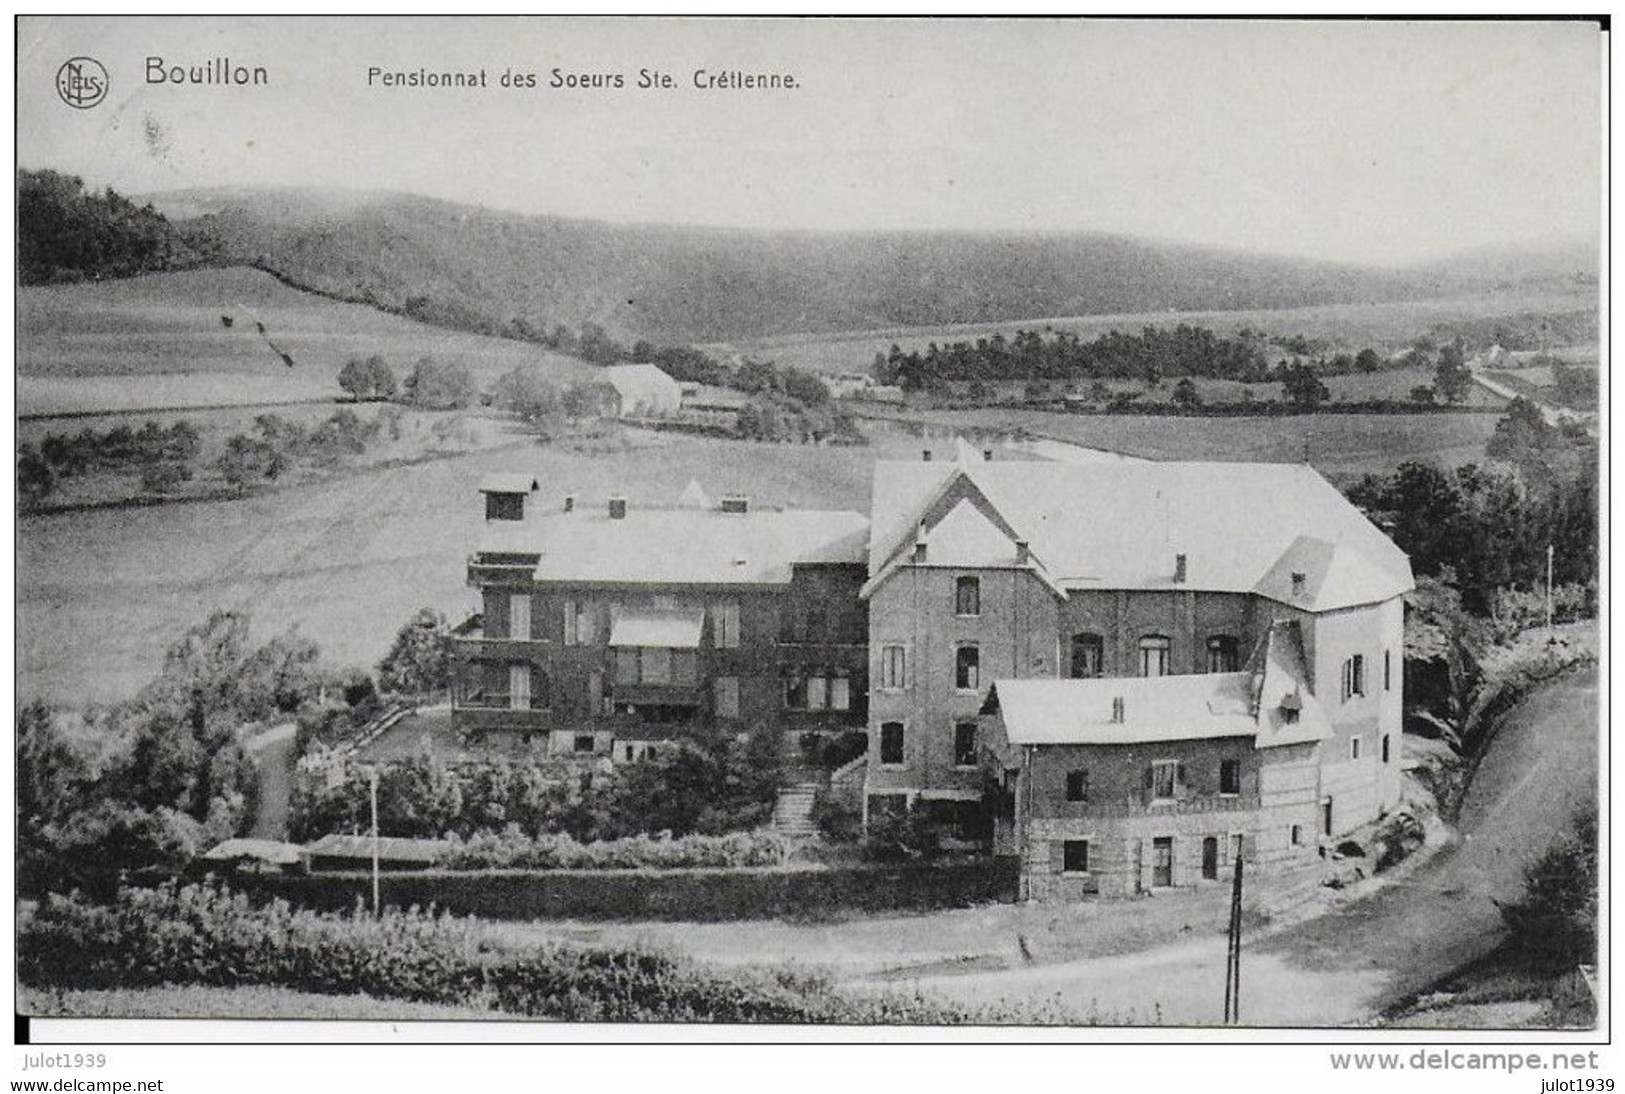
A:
[1155,590]
[607,629]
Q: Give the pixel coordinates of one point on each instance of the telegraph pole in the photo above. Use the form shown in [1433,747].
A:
[1550,554]
[1232,957]
[373,786]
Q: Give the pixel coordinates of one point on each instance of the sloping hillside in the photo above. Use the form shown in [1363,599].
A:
[488,268]
[195,338]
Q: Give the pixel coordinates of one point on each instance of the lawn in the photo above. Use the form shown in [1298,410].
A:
[196,1001]
[162,340]
[1390,325]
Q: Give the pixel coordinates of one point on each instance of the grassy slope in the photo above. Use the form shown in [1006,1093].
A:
[158,340]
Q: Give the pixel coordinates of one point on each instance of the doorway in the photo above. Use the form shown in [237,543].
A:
[1162,862]
[1210,858]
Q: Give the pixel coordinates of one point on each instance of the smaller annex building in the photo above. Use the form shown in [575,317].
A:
[1116,786]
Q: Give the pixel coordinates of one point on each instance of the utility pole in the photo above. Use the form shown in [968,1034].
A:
[1232,958]
[373,784]
[1550,554]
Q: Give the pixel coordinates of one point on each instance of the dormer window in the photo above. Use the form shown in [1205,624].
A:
[1291,706]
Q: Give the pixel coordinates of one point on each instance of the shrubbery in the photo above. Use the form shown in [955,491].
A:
[203,934]
[513,850]
[1557,919]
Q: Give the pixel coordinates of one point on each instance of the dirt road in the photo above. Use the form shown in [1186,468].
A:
[1345,967]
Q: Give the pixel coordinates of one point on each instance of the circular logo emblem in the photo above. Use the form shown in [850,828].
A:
[81,82]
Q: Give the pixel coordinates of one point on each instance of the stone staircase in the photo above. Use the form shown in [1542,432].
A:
[792,813]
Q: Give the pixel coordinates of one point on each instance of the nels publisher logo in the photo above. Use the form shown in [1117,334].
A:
[81,82]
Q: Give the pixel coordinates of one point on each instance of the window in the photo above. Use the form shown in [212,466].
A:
[626,666]
[891,743]
[1077,785]
[1230,776]
[597,701]
[1154,655]
[840,693]
[726,692]
[1353,677]
[968,668]
[1088,656]
[656,662]
[967,596]
[1223,654]
[1385,748]
[628,753]
[1387,671]
[584,742]
[578,623]
[893,667]
[1164,780]
[1117,710]
[817,692]
[519,687]
[1326,816]
[1297,835]
[519,616]
[725,626]
[1354,748]
[965,744]
[1235,847]
[1075,856]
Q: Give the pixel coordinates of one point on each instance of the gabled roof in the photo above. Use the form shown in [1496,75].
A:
[679,546]
[508,482]
[1121,526]
[1171,708]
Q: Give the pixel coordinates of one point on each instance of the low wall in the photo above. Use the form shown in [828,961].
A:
[698,895]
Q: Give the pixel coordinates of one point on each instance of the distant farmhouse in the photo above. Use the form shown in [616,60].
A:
[644,390]
[1128,674]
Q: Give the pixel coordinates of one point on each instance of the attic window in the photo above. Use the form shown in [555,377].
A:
[1291,705]
[1299,581]
[1117,709]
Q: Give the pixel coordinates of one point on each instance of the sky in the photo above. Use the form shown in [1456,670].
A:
[1376,143]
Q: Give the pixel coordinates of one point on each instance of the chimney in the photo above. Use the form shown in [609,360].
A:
[1179,569]
[617,507]
[919,545]
[1299,580]
[925,454]
[569,503]
[735,503]
[1117,709]
[1023,552]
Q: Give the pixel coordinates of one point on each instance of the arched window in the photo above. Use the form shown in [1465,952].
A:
[968,596]
[1154,651]
[1088,656]
[1223,653]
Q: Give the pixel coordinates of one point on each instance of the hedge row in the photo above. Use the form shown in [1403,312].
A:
[689,895]
[205,934]
[514,850]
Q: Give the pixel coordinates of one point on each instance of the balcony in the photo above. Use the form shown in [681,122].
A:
[1142,804]
[486,571]
[478,648]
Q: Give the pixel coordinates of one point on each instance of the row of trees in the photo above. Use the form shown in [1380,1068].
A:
[163,454]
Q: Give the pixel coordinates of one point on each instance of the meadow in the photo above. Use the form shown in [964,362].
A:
[1386,326]
[163,341]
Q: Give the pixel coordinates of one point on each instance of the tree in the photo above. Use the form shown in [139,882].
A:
[1368,360]
[34,478]
[1304,388]
[369,378]
[248,460]
[438,386]
[165,478]
[527,395]
[1186,395]
[589,399]
[1422,394]
[1444,644]
[419,662]
[1452,380]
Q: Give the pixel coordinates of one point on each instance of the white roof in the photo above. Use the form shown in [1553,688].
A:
[508,482]
[1121,526]
[1171,708]
[678,630]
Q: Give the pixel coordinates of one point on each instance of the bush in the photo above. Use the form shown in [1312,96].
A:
[437,386]
[513,850]
[206,934]
[838,820]
[1557,920]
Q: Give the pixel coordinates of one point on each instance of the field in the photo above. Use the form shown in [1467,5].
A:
[101,593]
[1340,446]
[161,341]
[1387,326]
